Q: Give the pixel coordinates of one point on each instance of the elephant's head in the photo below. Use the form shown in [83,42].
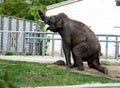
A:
[55,22]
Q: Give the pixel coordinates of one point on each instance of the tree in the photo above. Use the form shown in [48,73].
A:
[13,8]
[39,4]
[24,8]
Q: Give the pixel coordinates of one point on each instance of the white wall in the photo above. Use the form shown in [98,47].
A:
[101,15]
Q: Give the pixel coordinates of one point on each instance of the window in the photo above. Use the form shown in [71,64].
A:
[117,2]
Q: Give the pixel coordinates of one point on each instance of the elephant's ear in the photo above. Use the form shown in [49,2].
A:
[61,19]
[59,22]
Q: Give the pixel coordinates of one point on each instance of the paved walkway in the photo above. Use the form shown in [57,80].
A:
[96,85]
[40,59]
[48,59]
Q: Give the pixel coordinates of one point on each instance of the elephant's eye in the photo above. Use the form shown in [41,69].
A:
[49,22]
[52,20]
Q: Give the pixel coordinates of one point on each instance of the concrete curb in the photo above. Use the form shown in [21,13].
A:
[40,59]
[92,85]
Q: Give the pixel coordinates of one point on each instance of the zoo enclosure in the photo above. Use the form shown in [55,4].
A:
[106,39]
[36,42]
[20,35]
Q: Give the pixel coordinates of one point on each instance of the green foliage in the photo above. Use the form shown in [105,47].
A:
[24,8]
[9,53]
[13,53]
[20,8]
[45,2]
[28,53]
[13,8]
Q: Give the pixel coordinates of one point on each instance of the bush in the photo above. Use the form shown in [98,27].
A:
[13,53]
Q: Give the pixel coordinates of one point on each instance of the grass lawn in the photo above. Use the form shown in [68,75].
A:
[36,74]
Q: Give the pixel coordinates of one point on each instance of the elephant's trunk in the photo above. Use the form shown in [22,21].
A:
[43,16]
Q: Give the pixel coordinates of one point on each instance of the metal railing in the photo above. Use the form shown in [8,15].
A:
[107,39]
[101,37]
[37,37]
[36,43]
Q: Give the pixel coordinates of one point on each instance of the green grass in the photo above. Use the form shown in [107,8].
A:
[17,53]
[36,74]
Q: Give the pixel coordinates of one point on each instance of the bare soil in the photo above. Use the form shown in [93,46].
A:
[113,69]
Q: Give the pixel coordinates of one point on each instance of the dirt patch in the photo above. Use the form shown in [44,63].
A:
[113,69]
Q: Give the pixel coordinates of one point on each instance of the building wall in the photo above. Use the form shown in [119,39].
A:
[101,15]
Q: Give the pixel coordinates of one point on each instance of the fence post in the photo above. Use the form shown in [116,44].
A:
[33,44]
[52,44]
[43,44]
[24,43]
[116,48]
[61,50]
[106,50]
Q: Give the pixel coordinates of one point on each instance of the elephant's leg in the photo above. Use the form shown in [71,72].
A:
[96,65]
[74,59]
[67,53]
[90,64]
[80,51]
[79,63]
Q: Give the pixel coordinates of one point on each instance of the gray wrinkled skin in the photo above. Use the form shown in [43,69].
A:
[78,39]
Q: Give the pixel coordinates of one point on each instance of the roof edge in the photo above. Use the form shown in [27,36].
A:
[49,7]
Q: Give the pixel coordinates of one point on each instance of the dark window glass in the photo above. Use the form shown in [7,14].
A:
[117,2]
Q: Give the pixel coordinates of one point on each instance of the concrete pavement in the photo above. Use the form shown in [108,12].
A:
[45,59]
[39,59]
[93,85]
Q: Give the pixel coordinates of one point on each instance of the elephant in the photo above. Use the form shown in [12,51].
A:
[78,40]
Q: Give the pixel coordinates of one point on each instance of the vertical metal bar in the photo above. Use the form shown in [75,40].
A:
[97,37]
[106,50]
[43,45]
[116,48]
[2,42]
[24,39]
[53,44]
[9,24]
[61,49]
[30,41]
[24,43]
[9,35]
[38,35]
[30,26]
[33,52]
[2,34]
[17,35]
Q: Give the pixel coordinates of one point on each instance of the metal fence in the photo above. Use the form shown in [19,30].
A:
[105,41]
[38,39]
[36,43]
[12,32]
